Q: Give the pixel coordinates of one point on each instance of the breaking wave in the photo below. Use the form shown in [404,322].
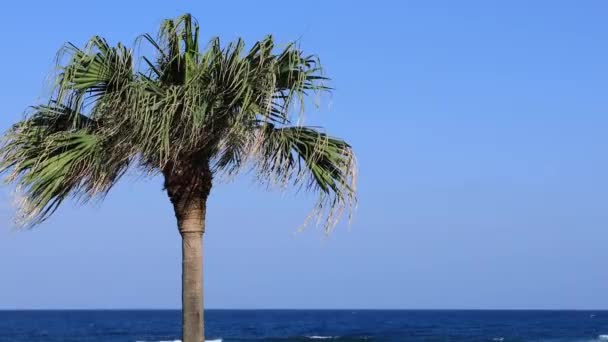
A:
[216,340]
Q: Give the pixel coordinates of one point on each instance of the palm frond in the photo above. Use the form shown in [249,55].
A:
[94,71]
[309,158]
[51,159]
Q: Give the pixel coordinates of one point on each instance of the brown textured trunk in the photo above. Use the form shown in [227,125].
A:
[189,198]
[193,323]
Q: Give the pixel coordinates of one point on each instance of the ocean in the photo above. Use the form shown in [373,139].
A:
[307,325]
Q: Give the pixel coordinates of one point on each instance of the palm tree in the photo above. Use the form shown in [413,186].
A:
[188,114]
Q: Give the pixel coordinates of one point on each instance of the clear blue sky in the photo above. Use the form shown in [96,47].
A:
[480,129]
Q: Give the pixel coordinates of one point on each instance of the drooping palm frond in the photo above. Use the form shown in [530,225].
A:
[310,159]
[56,154]
[184,108]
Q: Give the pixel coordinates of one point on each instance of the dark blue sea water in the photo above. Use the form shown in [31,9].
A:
[308,325]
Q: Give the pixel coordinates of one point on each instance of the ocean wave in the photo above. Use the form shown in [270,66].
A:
[337,338]
[599,338]
[216,340]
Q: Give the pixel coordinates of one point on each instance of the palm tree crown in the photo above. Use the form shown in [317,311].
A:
[187,113]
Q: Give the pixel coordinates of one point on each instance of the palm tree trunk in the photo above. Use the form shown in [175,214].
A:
[188,188]
[193,324]
[191,224]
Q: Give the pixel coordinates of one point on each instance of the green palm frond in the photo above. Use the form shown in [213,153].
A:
[183,108]
[51,156]
[92,72]
[309,158]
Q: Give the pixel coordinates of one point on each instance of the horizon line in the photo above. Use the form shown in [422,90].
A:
[297,309]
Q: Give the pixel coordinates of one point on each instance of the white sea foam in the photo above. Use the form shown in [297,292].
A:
[322,337]
[217,340]
[603,337]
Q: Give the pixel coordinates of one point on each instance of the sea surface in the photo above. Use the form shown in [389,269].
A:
[307,325]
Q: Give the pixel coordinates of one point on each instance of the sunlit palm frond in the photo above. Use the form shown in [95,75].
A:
[51,158]
[92,72]
[308,158]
